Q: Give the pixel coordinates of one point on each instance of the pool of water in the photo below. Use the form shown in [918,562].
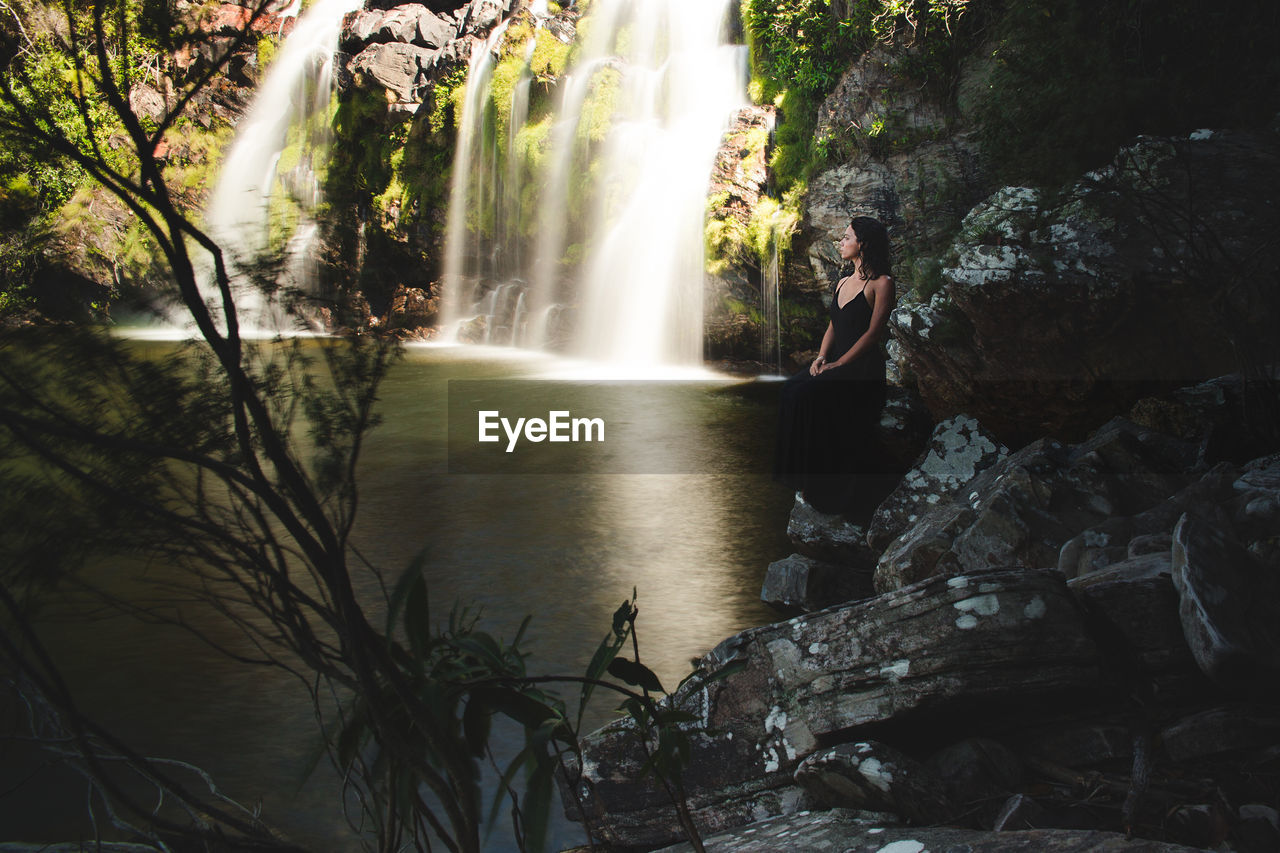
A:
[681,511]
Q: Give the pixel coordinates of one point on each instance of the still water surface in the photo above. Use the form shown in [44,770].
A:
[567,547]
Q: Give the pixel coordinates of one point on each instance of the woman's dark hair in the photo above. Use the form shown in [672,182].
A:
[874,238]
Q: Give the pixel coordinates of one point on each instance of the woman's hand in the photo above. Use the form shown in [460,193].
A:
[818,364]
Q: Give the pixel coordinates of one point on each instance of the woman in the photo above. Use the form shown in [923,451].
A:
[828,412]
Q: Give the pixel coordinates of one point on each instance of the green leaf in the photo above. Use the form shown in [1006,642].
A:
[537,801]
[476,723]
[411,575]
[635,673]
[604,655]
[522,708]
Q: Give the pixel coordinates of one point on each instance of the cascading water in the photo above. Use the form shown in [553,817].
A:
[287,120]
[614,237]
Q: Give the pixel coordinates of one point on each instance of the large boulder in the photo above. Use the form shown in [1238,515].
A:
[399,68]
[1056,311]
[939,650]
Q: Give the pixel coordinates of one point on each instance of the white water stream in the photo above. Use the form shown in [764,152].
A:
[297,88]
[617,245]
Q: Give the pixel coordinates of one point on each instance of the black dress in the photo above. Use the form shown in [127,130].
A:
[827,423]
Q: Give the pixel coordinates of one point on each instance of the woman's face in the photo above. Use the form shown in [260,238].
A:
[849,245]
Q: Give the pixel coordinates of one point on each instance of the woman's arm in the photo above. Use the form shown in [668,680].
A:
[823,348]
[882,296]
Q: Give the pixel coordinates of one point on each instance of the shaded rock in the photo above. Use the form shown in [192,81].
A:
[1149,543]
[1257,829]
[800,584]
[958,449]
[1204,825]
[874,776]
[995,640]
[1224,729]
[1228,605]
[1112,541]
[1019,812]
[1057,313]
[846,831]
[905,426]
[831,538]
[1135,610]
[1022,509]
[977,772]
[1071,744]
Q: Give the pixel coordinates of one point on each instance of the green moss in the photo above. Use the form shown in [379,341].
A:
[600,105]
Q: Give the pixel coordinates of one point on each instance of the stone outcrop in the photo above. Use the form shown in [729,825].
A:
[1053,315]
[405,49]
[1021,510]
[945,645]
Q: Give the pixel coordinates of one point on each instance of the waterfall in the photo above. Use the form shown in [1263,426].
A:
[467,188]
[608,259]
[287,121]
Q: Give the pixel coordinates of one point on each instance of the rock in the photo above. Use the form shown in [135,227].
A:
[1149,543]
[1014,336]
[874,776]
[398,68]
[411,308]
[936,651]
[480,15]
[1019,812]
[1113,540]
[1228,606]
[958,449]
[146,102]
[1257,829]
[831,538]
[1224,729]
[976,772]
[1070,743]
[905,426]
[800,584]
[1204,825]
[1022,509]
[1135,610]
[849,832]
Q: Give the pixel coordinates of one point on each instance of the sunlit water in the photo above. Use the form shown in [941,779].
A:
[566,547]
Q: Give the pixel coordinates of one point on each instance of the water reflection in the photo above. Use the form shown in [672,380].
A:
[566,547]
